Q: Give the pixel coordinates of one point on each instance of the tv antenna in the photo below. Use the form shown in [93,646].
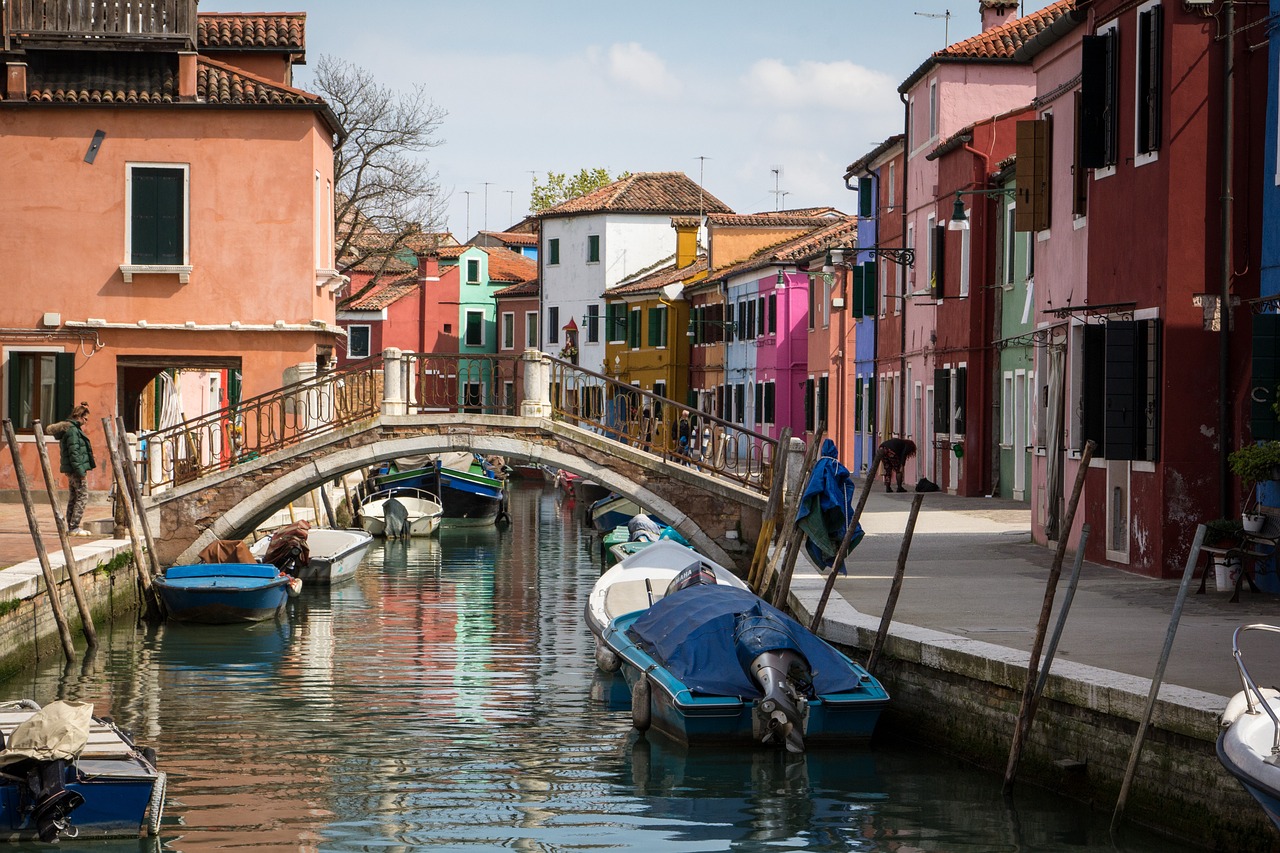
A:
[946,25]
[778,194]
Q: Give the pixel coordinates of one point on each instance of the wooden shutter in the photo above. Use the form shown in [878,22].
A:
[942,400]
[938,280]
[1079,174]
[64,385]
[808,405]
[731,330]
[871,405]
[655,328]
[770,400]
[1149,79]
[865,207]
[1031,210]
[958,406]
[870,290]
[1096,90]
[1266,377]
[759,403]
[773,313]
[1122,390]
[857,285]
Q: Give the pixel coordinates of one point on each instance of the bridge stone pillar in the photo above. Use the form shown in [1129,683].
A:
[393,397]
[795,462]
[537,385]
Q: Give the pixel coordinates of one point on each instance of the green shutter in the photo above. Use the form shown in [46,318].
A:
[865,208]
[157,213]
[64,384]
[1266,377]
[938,281]
[870,284]
[1121,389]
[871,405]
[858,286]
[15,388]
[958,405]
[942,400]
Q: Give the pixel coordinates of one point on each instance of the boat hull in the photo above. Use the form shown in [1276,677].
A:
[1243,749]
[222,593]
[423,510]
[467,499]
[334,563]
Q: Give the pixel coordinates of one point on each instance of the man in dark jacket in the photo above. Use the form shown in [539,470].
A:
[77,461]
[896,453]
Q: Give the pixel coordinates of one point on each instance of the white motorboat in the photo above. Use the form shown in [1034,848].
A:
[1249,746]
[639,581]
[380,513]
[333,555]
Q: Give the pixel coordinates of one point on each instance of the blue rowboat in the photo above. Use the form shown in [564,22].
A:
[68,774]
[717,664]
[223,593]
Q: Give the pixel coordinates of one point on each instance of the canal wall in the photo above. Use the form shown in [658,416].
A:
[28,632]
[962,697]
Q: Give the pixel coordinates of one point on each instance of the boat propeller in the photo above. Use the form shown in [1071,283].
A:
[777,673]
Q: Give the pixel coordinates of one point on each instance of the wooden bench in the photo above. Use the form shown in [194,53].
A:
[1249,549]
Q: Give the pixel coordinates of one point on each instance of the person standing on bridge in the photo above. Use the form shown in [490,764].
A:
[77,462]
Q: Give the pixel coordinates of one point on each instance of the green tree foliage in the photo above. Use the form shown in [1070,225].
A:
[559,187]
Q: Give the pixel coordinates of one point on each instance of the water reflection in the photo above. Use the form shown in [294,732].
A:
[447,698]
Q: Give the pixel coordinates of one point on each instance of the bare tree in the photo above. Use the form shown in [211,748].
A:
[387,197]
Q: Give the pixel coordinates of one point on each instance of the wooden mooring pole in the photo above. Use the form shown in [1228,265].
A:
[837,563]
[895,588]
[50,583]
[135,495]
[150,607]
[68,553]
[769,523]
[1028,710]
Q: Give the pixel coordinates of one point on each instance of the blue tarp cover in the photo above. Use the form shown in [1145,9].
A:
[826,506]
[693,633]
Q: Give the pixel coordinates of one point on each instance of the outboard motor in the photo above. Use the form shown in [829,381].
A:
[768,654]
[698,574]
[397,519]
[49,802]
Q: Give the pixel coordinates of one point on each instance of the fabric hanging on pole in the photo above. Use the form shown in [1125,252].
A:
[1054,439]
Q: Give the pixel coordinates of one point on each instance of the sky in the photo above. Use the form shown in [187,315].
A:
[765,102]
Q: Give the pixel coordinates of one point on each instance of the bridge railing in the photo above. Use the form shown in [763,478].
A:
[661,426]
[472,383]
[258,425]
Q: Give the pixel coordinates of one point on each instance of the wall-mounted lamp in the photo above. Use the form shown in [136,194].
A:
[781,283]
[959,220]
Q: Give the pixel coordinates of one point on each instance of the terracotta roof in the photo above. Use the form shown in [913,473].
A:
[506,265]
[382,295]
[840,233]
[768,219]
[147,78]
[524,288]
[998,44]
[686,222]
[660,278]
[511,238]
[450,252]
[274,31]
[871,156]
[644,192]
[383,264]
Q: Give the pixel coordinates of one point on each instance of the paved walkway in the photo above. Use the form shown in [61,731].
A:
[973,572]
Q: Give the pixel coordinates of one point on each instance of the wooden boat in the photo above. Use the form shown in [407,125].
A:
[332,555]
[711,663]
[1250,738]
[609,512]
[69,774]
[224,593]
[467,493]
[638,581]
[422,510]
[587,492]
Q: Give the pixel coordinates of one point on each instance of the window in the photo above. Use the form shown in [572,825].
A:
[911,120]
[156,219]
[41,385]
[593,324]
[820,401]
[531,329]
[358,341]
[473,270]
[929,255]
[1146,128]
[866,201]
[553,251]
[1010,246]
[773,313]
[759,403]
[933,109]
[740,403]
[475,329]
[615,322]
[909,273]
[658,326]
[891,188]
[1098,93]
[633,330]
[965,260]
[1122,358]
[1079,174]
[770,396]
[508,330]
[553,325]
[808,404]
[811,319]
[593,249]
[1033,169]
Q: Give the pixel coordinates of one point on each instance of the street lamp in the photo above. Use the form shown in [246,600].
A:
[959,220]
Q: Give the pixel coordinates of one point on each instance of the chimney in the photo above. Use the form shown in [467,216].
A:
[16,84]
[187,69]
[997,13]
[686,239]
[429,267]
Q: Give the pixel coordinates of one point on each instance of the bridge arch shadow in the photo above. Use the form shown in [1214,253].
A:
[719,517]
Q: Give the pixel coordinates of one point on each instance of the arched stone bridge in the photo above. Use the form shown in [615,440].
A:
[719,517]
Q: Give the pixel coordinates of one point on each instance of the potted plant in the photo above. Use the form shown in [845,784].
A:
[1253,464]
[1223,532]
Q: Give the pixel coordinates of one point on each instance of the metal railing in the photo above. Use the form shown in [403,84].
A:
[463,382]
[258,425]
[661,426]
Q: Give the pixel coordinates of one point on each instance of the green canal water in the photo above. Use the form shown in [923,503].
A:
[446,699]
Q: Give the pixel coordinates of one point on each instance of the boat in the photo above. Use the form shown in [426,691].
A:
[65,773]
[469,492]
[526,471]
[638,581]
[587,492]
[332,556]
[401,511]
[224,593]
[608,512]
[711,663]
[1250,737]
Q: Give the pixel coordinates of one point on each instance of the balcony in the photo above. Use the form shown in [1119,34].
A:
[100,24]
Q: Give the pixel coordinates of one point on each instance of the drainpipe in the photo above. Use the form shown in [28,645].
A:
[1224,297]
[902,325]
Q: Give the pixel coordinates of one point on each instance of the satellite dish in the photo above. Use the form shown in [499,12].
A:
[672,292]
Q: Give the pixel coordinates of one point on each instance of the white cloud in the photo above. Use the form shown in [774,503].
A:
[642,70]
[830,85]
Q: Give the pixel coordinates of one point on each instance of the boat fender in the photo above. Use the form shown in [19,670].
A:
[155,806]
[1239,705]
[641,712]
[606,659]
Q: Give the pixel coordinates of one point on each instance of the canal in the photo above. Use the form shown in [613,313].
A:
[446,699]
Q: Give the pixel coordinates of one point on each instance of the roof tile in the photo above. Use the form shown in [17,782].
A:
[506,265]
[256,31]
[644,192]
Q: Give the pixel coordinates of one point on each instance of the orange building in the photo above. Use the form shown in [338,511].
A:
[168,212]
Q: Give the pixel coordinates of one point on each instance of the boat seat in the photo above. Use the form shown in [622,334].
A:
[630,596]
